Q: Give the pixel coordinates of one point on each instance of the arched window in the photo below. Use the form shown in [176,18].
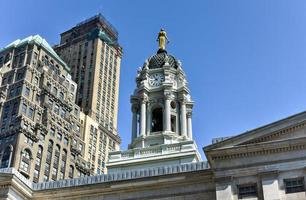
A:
[50,145]
[173,123]
[63,164]
[157,120]
[26,154]
[71,171]
[38,164]
[55,91]
[49,152]
[49,85]
[25,160]
[64,155]
[57,149]
[5,161]
[39,151]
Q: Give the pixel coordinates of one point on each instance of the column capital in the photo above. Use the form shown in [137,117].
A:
[135,108]
[183,100]
[189,114]
[144,98]
[168,95]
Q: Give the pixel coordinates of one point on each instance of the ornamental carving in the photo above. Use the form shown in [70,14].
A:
[168,95]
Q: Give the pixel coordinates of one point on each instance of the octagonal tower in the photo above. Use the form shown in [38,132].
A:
[161,117]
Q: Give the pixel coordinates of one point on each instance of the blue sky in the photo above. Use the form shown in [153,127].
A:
[245,60]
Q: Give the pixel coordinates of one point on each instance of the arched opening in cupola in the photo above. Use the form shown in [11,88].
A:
[173,123]
[157,120]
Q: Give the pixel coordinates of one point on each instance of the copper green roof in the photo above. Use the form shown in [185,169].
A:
[39,41]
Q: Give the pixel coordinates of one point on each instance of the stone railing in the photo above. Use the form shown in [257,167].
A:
[152,151]
[118,176]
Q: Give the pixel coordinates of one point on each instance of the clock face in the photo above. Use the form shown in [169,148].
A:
[156,79]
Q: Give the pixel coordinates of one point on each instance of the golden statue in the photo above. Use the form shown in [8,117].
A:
[162,39]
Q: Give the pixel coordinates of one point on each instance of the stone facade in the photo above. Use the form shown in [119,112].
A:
[269,159]
[38,114]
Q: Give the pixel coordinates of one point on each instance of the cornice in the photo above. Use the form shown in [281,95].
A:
[252,150]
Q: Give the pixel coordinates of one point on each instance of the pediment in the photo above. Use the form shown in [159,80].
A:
[289,128]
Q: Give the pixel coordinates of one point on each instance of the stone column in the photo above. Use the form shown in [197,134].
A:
[270,186]
[134,123]
[183,118]
[167,117]
[224,191]
[143,118]
[189,125]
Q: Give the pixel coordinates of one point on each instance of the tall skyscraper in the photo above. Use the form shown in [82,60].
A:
[41,134]
[92,51]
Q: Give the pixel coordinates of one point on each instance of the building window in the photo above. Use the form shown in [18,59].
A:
[56,109]
[38,116]
[36,176]
[46,178]
[48,86]
[47,169]
[66,141]
[63,113]
[294,185]
[27,91]
[24,166]
[12,92]
[246,191]
[50,102]
[61,176]
[40,150]
[81,147]
[74,142]
[71,171]
[59,136]
[55,91]
[52,132]
[30,113]
[20,75]
[54,172]
[61,96]
[24,108]
[25,160]
[6,158]
[37,97]
[36,80]
[157,119]
[29,141]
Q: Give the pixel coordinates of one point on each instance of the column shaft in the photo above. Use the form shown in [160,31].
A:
[134,125]
[143,118]
[189,126]
[183,119]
